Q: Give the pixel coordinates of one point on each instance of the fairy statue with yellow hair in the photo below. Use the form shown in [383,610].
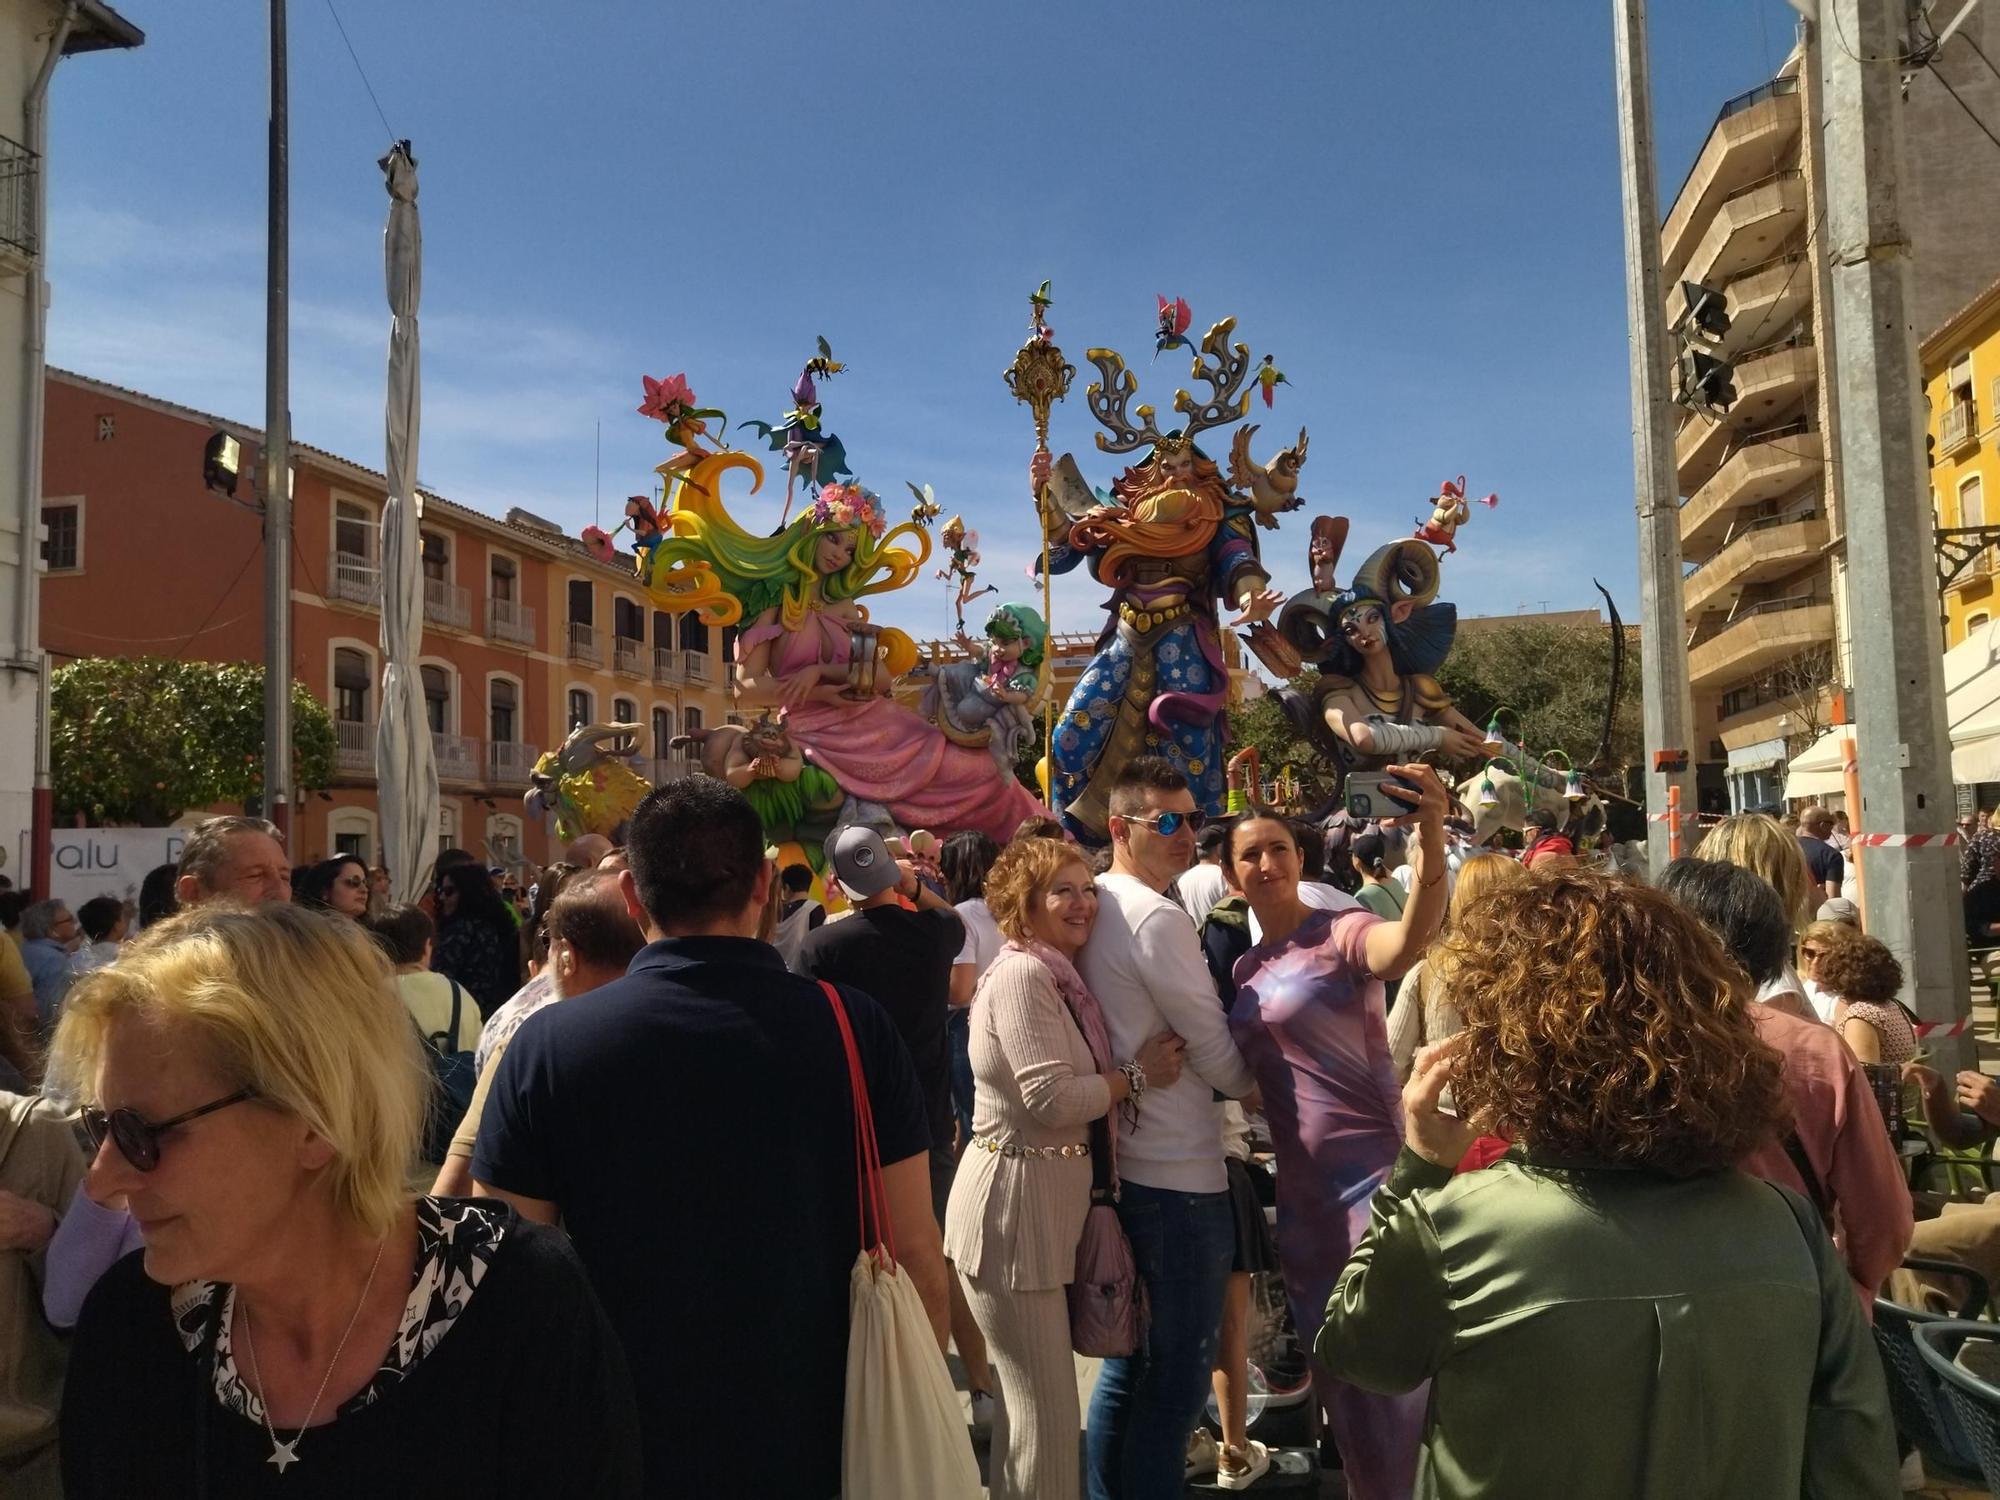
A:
[805,643]
[1174,537]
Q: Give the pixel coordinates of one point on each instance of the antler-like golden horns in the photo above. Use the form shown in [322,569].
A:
[1108,398]
[1225,377]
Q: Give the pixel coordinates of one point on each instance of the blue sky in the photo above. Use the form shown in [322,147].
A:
[1414,208]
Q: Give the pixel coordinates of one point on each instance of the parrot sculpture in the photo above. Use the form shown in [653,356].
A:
[1269,378]
[1175,316]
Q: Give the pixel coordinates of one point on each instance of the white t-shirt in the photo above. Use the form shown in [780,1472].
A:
[427,997]
[983,940]
[1314,893]
[1200,887]
[1144,965]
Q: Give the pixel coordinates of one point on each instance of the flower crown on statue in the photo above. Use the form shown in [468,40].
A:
[839,506]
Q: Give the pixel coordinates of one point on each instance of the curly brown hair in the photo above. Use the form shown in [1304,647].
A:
[1021,873]
[1606,1023]
[1860,968]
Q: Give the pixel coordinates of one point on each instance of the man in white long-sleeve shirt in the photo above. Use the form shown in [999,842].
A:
[1144,965]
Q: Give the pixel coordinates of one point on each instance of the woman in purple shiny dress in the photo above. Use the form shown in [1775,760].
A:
[1310,1020]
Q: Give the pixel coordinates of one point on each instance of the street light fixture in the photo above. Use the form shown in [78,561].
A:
[221,463]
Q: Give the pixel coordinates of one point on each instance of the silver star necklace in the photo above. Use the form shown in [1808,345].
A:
[284,1455]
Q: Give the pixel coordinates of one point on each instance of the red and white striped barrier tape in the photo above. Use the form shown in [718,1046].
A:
[1942,1028]
[1904,840]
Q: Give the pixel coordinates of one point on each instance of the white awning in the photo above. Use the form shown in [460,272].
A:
[1972,713]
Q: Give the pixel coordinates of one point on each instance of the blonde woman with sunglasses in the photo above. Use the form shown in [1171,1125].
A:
[254,1093]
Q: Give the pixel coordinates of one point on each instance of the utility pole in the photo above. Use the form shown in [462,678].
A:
[1912,889]
[1663,628]
[277,454]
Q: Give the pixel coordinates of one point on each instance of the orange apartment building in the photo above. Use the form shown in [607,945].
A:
[525,634]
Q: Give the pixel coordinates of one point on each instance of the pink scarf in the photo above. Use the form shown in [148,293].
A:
[1083,1006]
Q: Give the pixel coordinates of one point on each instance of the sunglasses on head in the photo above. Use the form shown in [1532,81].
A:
[1167,824]
[137,1140]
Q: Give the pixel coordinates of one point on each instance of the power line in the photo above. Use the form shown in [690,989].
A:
[1981,53]
[1983,128]
[256,548]
[362,71]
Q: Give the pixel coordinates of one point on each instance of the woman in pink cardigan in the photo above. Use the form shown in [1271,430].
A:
[1044,1082]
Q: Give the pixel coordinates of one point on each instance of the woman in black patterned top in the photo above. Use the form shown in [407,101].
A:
[297,1324]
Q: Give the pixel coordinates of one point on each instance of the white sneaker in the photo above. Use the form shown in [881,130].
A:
[982,1411]
[1203,1454]
[1239,1468]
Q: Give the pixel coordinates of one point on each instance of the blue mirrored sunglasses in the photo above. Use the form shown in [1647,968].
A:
[1167,824]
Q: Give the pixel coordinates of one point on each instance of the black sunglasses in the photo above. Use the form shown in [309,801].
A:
[138,1141]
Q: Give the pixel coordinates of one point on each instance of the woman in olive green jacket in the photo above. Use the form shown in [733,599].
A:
[1611,1309]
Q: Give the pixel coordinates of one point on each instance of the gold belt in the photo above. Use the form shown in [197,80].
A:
[1015,1148]
[1151,619]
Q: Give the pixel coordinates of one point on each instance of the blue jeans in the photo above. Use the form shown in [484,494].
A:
[1145,1405]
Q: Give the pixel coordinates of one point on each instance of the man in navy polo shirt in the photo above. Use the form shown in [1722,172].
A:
[692,1129]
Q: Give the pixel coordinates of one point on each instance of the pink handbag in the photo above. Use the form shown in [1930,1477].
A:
[1107,1300]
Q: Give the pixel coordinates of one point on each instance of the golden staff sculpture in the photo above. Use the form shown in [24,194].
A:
[1040,376]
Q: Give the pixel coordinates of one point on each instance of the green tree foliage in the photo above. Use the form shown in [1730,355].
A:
[142,740]
[1555,677]
[1262,722]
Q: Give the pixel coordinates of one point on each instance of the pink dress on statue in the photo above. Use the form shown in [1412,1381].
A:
[879,751]
[1309,1020]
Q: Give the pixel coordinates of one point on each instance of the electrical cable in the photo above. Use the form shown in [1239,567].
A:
[249,558]
[1980,52]
[1984,129]
[362,71]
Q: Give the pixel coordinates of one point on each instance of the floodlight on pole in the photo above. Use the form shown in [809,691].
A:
[1706,383]
[221,463]
[1704,312]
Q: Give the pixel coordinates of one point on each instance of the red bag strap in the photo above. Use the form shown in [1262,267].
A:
[872,1197]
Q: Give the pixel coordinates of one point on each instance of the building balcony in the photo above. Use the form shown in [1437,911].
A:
[1756,726]
[667,667]
[1958,429]
[354,754]
[699,667]
[457,756]
[1751,131]
[628,655]
[1759,638]
[508,764]
[355,579]
[585,644]
[20,234]
[447,604]
[1749,227]
[510,620]
[1757,553]
[1977,573]
[1768,381]
[1766,466]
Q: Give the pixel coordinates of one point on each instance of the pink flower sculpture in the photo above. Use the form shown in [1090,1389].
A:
[666,400]
[597,542]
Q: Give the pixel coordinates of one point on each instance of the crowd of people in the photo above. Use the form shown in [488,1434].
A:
[550,1184]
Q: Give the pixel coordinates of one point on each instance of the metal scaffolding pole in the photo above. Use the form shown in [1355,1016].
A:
[277,455]
[1662,637]
[1912,892]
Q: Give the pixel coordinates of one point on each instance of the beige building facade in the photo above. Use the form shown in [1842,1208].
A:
[1762,538]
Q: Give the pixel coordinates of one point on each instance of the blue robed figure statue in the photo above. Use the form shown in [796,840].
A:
[1175,539]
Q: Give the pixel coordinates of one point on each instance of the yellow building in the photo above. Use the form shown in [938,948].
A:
[1961,364]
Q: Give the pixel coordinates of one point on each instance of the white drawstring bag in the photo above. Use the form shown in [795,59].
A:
[903,1436]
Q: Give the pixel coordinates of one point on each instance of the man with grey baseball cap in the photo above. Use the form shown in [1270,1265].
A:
[901,958]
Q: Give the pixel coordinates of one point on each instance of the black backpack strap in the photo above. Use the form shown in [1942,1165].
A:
[457,997]
[1815,1189]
